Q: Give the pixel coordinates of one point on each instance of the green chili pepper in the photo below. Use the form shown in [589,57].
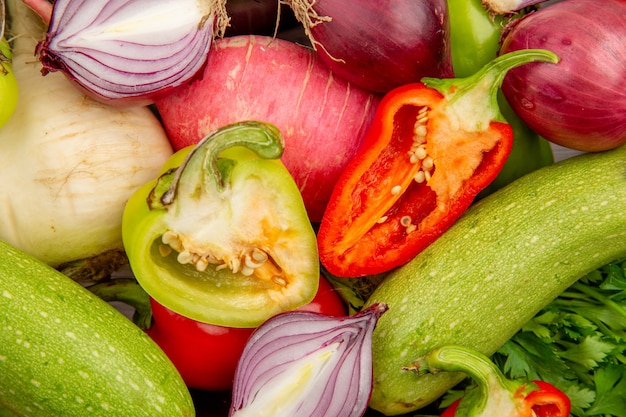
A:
[475,40]
[222,236]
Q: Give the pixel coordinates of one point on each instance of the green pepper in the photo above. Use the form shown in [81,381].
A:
[475,40]
[222,236]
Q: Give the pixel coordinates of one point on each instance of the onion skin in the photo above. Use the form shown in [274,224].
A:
[580,103]
[322,118]
[384,43]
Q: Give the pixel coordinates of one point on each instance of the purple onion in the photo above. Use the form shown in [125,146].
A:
[127,50]
[379,44]
[305,364]
[580,103]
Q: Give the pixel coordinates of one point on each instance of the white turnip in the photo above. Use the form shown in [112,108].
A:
[322,117]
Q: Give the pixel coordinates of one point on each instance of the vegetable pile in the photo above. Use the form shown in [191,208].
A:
[307,208]
[577,342]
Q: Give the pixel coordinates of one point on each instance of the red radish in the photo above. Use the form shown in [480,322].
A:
[322,117]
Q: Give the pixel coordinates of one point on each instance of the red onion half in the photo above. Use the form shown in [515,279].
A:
[379,44]
[580,103]
[128,50]
[304,364]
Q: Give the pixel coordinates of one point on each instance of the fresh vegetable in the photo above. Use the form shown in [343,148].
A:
[206,355]
[8,83]
[69,163]
[322,118]
[305,364]
[494,395]
[579,109]
[65,352]
[507,257]
[474,36]
[222,236]
[5,412]
[500,7]
[474,41]
[379,45]
[431,148]
[124,51]
[577,343]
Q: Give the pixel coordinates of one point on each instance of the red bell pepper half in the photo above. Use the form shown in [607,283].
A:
[496,395]
[431,148]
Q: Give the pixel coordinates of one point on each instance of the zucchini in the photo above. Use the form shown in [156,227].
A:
[66,352]
[507,257]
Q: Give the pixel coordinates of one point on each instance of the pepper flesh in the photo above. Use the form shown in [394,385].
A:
[432,147]
[474,41]
[222,236]
[496,395]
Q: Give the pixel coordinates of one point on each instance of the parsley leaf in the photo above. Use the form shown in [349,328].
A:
[577,343]
[610,385]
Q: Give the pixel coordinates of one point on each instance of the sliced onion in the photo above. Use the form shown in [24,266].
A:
[301,364]
[128,51]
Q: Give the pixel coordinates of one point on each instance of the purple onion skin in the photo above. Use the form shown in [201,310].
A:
[384,43]
[580,103]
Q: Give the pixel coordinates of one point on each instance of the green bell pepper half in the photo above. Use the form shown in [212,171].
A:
[475,40]
[222,236]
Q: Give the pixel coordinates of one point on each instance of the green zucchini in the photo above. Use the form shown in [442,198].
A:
[507,257]
[65,352]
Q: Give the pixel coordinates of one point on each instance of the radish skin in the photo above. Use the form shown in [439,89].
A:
[322,117]
[68,162]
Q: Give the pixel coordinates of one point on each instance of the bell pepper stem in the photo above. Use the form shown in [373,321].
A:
[264,139]
[471,91]
[492,384]
[127,291]
[203,168]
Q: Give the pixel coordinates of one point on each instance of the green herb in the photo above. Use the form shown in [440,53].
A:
[577,343]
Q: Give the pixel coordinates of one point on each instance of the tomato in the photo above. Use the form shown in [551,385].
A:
[206,355]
